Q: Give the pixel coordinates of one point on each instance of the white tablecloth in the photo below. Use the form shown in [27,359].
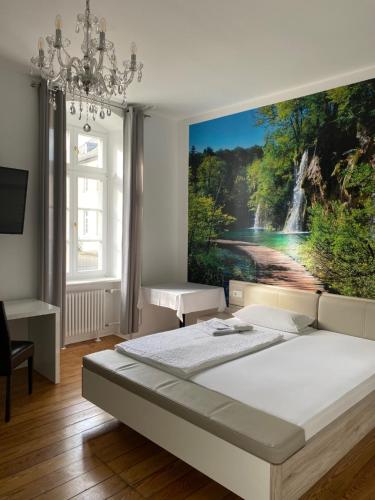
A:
[183,297]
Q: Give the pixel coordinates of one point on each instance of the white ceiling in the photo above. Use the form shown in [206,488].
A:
[200,55]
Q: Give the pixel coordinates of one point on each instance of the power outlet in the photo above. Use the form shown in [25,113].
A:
[237,294]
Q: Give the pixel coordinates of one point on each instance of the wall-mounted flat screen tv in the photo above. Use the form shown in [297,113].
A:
[13,187]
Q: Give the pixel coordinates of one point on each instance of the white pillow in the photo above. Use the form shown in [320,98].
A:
[275,318]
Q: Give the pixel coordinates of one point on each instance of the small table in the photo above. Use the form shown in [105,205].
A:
[43,329]
[184,298]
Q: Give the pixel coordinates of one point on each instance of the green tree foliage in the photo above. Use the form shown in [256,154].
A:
[341,248]
[206,220]
[208,193]
[354,104]
[230,169]
[210,177]
[218,192]
[206,266]
[269,182]
[292,128]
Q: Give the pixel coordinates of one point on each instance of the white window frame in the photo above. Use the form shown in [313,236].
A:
[73,172]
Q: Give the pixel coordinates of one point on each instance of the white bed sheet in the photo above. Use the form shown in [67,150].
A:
[309,381]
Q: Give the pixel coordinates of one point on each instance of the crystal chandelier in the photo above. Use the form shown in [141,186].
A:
[91,80]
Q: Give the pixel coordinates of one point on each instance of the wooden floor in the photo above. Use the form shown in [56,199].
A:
[60,446]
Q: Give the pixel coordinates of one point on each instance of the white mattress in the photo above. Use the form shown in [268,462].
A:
[308,381]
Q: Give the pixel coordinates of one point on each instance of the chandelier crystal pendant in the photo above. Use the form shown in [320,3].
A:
[93,79]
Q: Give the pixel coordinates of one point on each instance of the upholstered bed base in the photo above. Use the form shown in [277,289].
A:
[237,469]
[265,436]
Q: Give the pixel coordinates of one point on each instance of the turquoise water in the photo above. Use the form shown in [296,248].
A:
[288,243]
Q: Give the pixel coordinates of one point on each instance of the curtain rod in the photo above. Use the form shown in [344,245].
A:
[106,103]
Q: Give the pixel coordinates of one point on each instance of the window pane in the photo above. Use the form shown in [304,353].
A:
[90,193]
[90,225]
[90,256]
[90,151]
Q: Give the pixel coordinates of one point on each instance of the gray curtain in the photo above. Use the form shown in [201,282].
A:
[131,219]
[52,126]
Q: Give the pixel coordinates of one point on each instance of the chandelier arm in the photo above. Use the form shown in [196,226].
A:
[67,54]
[103,84]
[45,74]
[101,60]
[128,81]
[61,62]
[47,71]
[78,67]
[55,79]
[94,66]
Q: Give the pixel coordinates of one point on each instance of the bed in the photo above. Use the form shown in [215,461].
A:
[275,436]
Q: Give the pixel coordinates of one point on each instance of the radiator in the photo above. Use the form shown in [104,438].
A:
[85,314]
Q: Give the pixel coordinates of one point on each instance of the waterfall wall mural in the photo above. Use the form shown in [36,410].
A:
[285,194]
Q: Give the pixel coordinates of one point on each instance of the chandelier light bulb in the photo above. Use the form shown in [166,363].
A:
[58,22]
[102,25]
[41,43]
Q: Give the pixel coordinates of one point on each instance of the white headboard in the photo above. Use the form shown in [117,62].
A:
[336,313]
[349,315]
[242,294]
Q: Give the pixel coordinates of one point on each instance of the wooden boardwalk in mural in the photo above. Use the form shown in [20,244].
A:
[274,267]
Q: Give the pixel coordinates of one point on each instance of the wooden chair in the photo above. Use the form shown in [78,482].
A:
[12,354]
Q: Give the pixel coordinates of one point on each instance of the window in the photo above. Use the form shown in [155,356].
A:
[86,209]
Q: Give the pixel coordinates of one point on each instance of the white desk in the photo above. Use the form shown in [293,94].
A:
[43,329]
[184,298]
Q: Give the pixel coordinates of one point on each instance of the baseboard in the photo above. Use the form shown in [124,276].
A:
[91,336]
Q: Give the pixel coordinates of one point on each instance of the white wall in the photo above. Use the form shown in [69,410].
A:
[19,149]
[160,235]
[160,239]
[161,218]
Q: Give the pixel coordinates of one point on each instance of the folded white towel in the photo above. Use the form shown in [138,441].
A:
[217,327]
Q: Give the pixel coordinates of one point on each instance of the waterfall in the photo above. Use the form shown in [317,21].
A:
[257,218]
[294,221]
